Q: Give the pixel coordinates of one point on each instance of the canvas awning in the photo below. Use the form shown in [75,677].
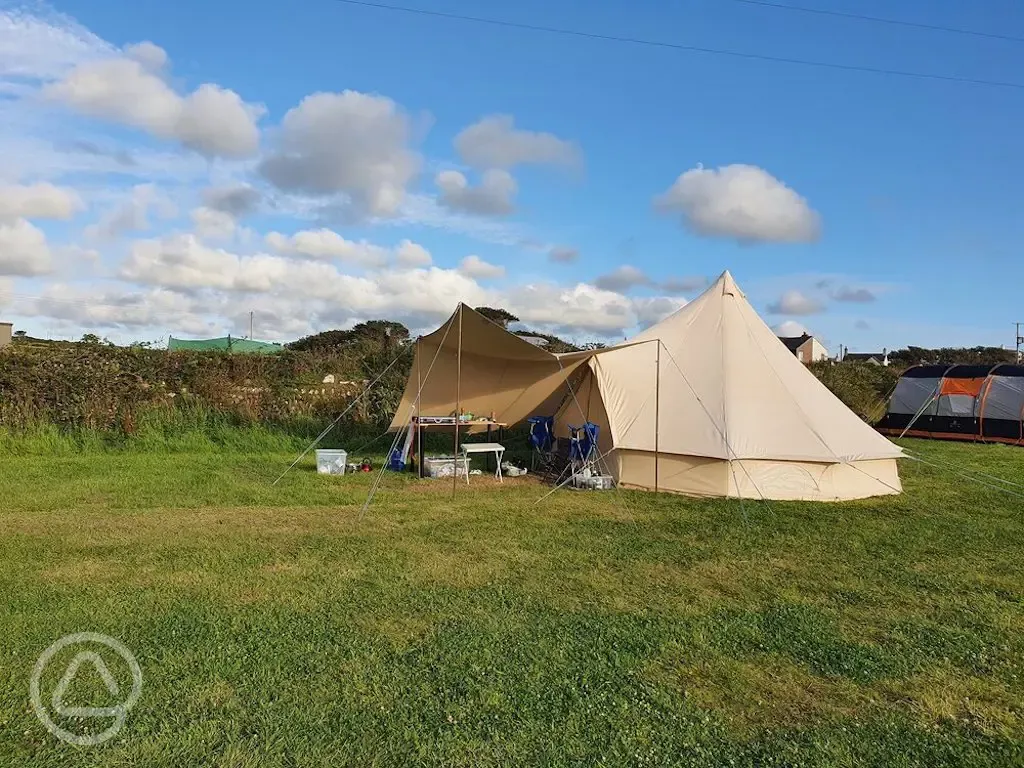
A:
[476,365]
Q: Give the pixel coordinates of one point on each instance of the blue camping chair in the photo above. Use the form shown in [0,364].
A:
[542,437]
[583,443]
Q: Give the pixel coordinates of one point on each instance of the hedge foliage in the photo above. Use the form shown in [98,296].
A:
[109,389]
[865,388]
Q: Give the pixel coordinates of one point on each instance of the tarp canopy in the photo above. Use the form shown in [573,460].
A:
[475,364]
[708,402]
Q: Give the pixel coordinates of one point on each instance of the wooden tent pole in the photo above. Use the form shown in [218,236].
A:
[458,405]
[657,415]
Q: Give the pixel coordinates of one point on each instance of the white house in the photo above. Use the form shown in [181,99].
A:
[806,348]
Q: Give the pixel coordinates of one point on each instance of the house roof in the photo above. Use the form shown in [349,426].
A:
[863,356]
[793,343]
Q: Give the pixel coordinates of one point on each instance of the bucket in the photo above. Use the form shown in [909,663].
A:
[331,461]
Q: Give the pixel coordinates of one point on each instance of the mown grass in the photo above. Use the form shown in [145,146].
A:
[275,627]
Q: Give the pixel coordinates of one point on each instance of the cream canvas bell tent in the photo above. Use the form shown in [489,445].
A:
[708,402]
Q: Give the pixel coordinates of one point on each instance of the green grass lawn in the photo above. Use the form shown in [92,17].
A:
[274,628]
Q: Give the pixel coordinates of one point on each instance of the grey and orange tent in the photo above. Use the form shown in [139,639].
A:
[958,402]
[707,402]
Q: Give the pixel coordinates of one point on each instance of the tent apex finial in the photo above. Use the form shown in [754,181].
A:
[728,284]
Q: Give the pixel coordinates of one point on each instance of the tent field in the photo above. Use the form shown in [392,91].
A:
[273,627]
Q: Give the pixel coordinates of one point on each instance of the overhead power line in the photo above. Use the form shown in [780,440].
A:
[881,20]
[684,47]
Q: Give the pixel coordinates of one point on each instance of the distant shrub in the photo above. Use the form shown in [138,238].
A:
[863,387]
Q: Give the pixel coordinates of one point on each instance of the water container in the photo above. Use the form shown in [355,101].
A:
[331,461]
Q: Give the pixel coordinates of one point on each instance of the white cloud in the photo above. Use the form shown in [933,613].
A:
[571,310]
[304,289]
[477,268]
[654,309]
[410,254]
[676,285]
[236,200]
[38,44]
[132,214]
[495,142]
[181,261]
[422,294]
[38,201]
[859,295]
[347,143]
[328,244]
[149,55]
[215,121]
[421,210]
[211,120]
[562,254]
[23,249]
[790,328]
[795,303]
[123,157]
[91,307]
[213,224]
[40,150]
[222,206]
[623,278]
[494,196]
[743,202]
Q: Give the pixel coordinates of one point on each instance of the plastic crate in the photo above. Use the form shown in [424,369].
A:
[443,466]
[593,482]
[331,461]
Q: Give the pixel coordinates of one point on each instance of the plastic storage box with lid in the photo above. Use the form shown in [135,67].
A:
[331,461]
[443,466]
[593,482]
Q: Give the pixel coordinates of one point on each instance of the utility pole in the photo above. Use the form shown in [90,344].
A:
[250,325]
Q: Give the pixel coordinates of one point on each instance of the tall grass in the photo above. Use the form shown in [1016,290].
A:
[194,428]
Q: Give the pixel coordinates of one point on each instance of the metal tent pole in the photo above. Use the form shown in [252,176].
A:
[416,423]
[657,415]
[458,405]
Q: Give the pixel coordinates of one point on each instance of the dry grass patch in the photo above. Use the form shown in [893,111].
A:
[945,695]
[766,691]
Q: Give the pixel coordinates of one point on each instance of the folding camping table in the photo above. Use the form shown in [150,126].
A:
[496,448]
[422,423]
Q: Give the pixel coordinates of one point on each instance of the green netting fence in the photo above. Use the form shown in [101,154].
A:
[227,344]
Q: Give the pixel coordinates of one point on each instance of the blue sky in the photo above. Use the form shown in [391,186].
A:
[873,210]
